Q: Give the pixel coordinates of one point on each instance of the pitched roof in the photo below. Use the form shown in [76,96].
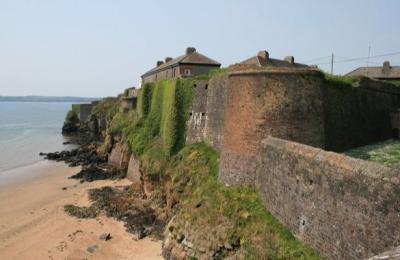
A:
[391,72]
[188,58]
[262,59]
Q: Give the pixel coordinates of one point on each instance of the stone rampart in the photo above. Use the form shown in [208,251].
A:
[84,112]
[343,207]
[359,115]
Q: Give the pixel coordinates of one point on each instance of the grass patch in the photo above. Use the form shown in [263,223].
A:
[338,81]
[107,108]
[395,82]
[386,153]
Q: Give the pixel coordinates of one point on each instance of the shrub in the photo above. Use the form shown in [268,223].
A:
[72,118]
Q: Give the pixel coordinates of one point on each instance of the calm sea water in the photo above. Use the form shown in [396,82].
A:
[27,128]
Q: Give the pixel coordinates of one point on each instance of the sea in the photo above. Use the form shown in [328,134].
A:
[28,128]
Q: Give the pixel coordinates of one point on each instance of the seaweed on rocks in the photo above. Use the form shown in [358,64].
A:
[125,204]
[84,155]
[128,205]
[95,172]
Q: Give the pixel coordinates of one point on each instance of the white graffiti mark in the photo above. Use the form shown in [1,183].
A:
[195,120]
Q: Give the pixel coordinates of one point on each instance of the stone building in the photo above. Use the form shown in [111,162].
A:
[128,99]
[190,64]
[131,92]
[386,72]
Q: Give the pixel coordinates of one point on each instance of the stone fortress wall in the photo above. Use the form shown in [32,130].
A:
[360,115]
[343,207]
[268,125]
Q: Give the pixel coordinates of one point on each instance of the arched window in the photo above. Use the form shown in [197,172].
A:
[187,72]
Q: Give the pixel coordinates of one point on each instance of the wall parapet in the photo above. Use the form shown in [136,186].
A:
[275,70]
[345,208]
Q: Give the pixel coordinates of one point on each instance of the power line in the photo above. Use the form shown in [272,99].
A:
[362,58]
[347,58]
[320,58]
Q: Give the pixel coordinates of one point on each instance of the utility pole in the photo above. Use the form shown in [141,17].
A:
[332,64]
[369,54]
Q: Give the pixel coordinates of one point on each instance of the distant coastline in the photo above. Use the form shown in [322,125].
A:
[46,99]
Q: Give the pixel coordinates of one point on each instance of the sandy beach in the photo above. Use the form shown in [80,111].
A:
[33,224]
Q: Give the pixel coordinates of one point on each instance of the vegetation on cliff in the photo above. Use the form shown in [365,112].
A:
[107,108]
[156,129]
[71,123]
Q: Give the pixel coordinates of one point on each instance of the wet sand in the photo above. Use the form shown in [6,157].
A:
[33,224]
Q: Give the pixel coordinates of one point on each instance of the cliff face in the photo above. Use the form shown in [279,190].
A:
[233,112]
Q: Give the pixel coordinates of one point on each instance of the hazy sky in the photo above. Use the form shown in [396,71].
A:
[98,47]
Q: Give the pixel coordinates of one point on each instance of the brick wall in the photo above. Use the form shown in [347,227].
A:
[345,208]
[285,103]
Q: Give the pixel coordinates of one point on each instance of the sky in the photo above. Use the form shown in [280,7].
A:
[98,48]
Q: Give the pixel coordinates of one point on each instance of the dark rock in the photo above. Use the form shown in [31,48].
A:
[94,172]
[105,236]
[64,188]
[81,212]
[84,155]
[92,249]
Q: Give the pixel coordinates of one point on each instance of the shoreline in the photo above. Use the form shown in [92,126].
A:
[33,224]
[24,172]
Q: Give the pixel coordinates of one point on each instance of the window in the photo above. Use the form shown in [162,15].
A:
[206,87]
[187,72]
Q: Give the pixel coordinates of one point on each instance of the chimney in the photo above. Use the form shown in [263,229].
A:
[289,59]
[190,50]
[386,66]
[263,54]
[168,59]
[159,63]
